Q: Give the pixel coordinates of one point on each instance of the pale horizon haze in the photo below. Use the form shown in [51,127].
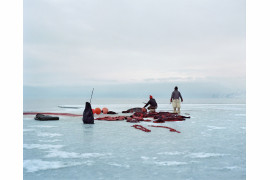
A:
[130,49]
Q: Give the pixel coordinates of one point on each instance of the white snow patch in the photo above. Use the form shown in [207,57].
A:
[119,165]
[48,134]
[41,146]
[43,126]
[204,155]
[53,153]
[169,163]
[171,153]
[38,164]
[27,130]
[215,127]
[50,141]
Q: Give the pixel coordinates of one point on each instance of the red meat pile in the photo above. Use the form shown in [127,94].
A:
[109,118]
[140,127]
[171,129]
[161,117]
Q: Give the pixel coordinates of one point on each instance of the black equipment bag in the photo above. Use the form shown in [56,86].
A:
[88,117]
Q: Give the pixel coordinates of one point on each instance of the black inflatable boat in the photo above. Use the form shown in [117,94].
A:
[42,117]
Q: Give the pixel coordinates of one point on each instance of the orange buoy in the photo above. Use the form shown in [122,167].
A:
[93,110]
[105,110]
[97,110]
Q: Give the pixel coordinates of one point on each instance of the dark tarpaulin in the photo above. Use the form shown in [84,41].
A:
[88,117]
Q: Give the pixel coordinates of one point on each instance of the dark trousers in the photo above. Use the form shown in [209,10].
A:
[152,107]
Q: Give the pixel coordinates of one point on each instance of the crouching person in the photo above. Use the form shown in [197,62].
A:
[153,104]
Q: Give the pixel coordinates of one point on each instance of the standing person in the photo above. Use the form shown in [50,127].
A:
[175,99]
[153,104]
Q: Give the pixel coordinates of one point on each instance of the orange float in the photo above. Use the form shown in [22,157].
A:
[97,110]
[105,110]
[93,110]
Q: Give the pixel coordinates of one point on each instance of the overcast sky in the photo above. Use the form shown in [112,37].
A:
[102,42]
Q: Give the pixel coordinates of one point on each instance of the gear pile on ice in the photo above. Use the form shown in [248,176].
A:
[136,117]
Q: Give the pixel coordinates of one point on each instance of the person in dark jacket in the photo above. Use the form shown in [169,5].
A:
[175,100]
[153,104]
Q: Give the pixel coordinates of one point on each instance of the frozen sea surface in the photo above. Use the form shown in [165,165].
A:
[211,145]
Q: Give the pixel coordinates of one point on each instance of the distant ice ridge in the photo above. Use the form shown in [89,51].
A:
[38,164]
[71,106]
